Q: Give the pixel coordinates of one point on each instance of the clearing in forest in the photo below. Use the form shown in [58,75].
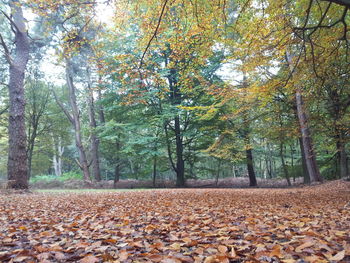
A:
[308,224]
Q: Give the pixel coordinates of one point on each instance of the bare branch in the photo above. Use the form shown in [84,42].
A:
[4,110]
[69,116]
[6,50]
[155,32]
[10,20]
[340,2]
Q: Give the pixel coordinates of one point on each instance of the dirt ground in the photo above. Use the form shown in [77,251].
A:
[309,224]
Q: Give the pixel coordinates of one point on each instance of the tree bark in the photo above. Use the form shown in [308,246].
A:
[342,157]
[218,173]
[303,162]
[249,159]
[117,166]
[250,167]
[310,155]
[17,165]
[154,177]
[180,163]
[175,99]
[94,141]
[83,163]
[100,110]
[285,169]
[57,156]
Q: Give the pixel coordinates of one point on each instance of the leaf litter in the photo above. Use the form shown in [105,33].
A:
[309,224]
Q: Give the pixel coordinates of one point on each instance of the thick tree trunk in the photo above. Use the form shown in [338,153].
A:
[83,163]
[310,155]
[94,141]
[17,166]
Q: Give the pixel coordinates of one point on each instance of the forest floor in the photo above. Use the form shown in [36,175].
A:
[309,224]
[229,182]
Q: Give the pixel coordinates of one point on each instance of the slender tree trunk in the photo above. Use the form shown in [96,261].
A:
[310,155]
[250,162]
[117,166]
[218,173]
[154,177]
[58,151]
[234,171]
[116,175]
[100,110]
[249,158]
[303,162]
[180,163]
[83,163]
[30,158]
[250,167]
[292,160]
[285,169]
[268,162]
[94,141]
[17,165]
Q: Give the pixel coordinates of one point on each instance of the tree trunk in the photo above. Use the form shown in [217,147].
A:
[292,160]
[303,162]
[101,113]
[285,169]
[30,151]
[250,167]
[249,158]
[310,155]
[17,165]
[117,166]
[94,141]
[180,163]
[154,177]
[83,163]
[342,158]
[217,174]
[58,151]
[175,100]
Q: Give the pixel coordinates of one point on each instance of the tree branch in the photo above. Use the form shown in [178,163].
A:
[155,32]
[69,116]
[6,50]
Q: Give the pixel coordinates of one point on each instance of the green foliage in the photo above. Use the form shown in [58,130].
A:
[50,178]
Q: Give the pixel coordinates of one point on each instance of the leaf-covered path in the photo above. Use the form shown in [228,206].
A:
[185,225]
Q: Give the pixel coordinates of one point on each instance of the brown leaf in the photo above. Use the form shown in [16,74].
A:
[222,249]
[339,256]
[300,248]
[89,259]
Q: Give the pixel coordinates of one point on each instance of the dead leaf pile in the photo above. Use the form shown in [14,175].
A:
[181,225]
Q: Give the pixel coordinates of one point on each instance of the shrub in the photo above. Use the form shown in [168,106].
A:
[50,178]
